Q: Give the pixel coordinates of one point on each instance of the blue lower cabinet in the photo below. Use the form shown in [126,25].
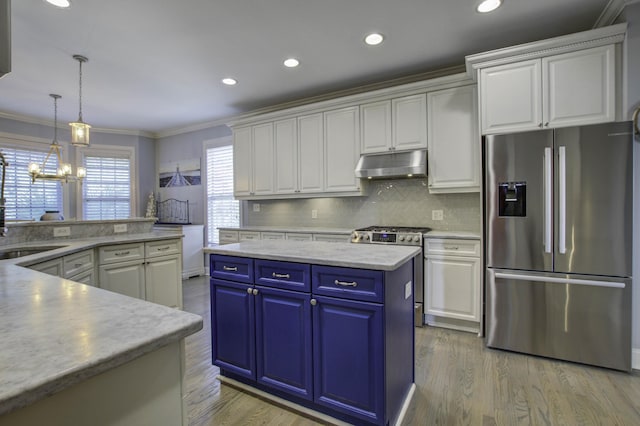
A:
[283,341]
[233,327]
[348,357]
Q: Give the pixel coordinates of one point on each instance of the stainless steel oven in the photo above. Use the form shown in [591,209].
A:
[406,236]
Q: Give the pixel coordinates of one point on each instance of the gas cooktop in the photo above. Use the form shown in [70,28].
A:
[401,235]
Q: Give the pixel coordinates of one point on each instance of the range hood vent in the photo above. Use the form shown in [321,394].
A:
[393,165]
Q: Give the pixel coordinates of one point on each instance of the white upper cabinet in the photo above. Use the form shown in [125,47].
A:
[263,159]
[242,170]
[579,87]
[342,149]
[454,141]
[311,153]
[569,89]
[375,119]
[286,156]
[409,122]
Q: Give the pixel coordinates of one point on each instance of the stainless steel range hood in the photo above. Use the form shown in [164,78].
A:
[393,165]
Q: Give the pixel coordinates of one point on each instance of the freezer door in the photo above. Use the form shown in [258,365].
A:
[569,317]
[518,200]
[594,198]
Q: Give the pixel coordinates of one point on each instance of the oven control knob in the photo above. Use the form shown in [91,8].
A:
[366,237]
[354,236]
[416,238]
[401,237]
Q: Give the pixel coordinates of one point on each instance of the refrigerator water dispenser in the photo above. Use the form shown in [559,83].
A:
[512,199]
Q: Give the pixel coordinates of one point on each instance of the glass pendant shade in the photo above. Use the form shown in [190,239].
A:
[80,133]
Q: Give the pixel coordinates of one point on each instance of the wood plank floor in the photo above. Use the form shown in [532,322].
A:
[459,382]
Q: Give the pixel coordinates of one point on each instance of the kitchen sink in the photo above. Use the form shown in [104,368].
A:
[24,251]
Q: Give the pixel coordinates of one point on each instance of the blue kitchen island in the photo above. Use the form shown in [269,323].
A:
[326,327]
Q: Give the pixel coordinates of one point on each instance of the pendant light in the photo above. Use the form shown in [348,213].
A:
[80,129]
[64,172]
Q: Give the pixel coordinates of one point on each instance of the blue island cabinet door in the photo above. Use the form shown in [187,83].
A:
[283,341]
[233,328]
[348,357]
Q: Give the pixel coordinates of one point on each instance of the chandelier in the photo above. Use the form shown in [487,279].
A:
[80,129]
[64,172]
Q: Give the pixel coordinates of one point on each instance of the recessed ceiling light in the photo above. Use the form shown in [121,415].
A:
[291,63]
[59,3]
[229,81]
[374,39]
[486,6]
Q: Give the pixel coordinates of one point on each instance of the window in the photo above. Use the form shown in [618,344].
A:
[222,209]
[26,200]
[107,189]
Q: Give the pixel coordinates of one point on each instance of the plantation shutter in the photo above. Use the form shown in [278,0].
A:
[106,191]
[222,209]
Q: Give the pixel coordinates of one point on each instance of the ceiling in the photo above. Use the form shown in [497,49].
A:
[156,65]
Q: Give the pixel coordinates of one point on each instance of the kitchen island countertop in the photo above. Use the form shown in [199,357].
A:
[365,256]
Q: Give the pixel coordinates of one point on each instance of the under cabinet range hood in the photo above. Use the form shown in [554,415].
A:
[393,165]
[5,37]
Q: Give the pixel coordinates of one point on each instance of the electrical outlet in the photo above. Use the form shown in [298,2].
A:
[61,231]
[256,207]
[120,227]
[437,215]
[314,214]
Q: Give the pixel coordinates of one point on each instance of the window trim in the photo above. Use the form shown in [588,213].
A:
[208,144]
[118,151]
[24,142]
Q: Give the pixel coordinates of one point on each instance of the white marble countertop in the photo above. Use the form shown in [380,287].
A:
[463,235]
[364,256]
[296,229]
[56,333]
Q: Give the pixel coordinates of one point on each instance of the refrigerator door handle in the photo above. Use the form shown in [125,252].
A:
[562,199]
[538,278]
[547,199]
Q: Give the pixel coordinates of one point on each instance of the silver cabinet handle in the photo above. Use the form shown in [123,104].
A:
[164,248]
[451,247]
[313,302]
[250,291]
[546,124]
[255,291]
[122,253]
[539,124]
[346,283]
[77,265]
[277,275]
[230,268]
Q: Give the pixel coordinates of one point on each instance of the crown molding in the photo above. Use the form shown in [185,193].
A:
[610,13]
[191,128]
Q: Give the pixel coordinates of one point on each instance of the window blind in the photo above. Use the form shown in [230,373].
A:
[222,209]
[106,190]
[26,200]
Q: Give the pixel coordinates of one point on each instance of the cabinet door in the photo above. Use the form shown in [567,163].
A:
[409,122]
[454,142]
[50,267]
[283,341]
[242,162]
[125,278]
[286,156]
[510,97]
[342,149]
[86,277]
[311,153]
[348,351]
[453,287]
[579,87]
[262,159]
[233,328]
[163,281]
[375,119]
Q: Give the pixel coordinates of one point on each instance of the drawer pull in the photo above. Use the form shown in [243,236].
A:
[277,275]
[451,247]
[230,268]
[122,253]
[77,265]
[346,283]
[164,248]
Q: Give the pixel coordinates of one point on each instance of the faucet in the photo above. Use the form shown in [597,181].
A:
[4,164]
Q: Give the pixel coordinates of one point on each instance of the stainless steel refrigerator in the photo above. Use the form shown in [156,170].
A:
[558,214]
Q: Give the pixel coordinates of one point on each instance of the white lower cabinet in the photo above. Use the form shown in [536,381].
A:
[297,236]
[160,276]
[124,277]
[227,237]
[452,293]
[50,267]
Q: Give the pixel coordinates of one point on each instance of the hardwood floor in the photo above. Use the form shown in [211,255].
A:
[459,382]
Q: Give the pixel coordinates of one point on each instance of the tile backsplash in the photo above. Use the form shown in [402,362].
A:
[397,202]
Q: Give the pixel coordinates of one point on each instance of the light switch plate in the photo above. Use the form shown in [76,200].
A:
[314,214]
[120,227]
[256,207]
[437,215]
[61,231]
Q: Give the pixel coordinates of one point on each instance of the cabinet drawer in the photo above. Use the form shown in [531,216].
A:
[332,238]
[120,253]
[248,235]
[162,248]
[452,247]
[228,237]
[76,263]
[231,268]
[272,235]
[347,283]
[294,236]
[285,275]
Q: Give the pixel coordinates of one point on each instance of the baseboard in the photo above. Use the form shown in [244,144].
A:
[635,358]
[453,324]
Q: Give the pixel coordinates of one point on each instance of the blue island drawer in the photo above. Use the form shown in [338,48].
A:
[348,283]
[231,268]
[285,275]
